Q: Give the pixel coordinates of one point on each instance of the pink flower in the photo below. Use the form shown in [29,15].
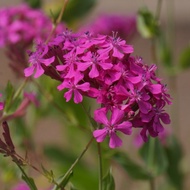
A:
[37,59]
[74,87]
[116,123]
[95,63]
[116,46]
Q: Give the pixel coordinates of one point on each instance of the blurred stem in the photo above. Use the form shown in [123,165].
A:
[25,161]
[151,150]
[100,166]
[58,20]
[170,5]
[26,176]
[158,10]
[153,42]
[76,161]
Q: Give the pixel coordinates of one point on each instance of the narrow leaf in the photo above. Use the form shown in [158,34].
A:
[9,92]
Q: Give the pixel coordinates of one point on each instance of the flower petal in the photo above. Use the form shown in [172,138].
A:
[29,71]
[117,116]
[47,61]
[68,95]
[100,117]
[100,134]
[115,141]
[39,71]
[77,96]
[125,127]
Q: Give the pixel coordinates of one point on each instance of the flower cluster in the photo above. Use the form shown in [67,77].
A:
[20,26]
[102,67]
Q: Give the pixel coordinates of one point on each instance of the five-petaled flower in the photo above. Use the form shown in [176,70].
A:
[110,127]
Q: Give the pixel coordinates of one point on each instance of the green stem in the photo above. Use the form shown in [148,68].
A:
[69,171]
[27,179]
[151,151]
[100,166]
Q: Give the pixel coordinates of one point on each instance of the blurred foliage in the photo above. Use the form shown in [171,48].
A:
[133,169]
[108,181]
[175,155]
[147,24]
[184,60]
[34,3]
[154,157]
[74,11]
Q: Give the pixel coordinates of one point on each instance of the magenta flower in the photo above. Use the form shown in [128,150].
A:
[116,123]
[116,46]
[74,88]
[102,67]
[95,63]
[37,59]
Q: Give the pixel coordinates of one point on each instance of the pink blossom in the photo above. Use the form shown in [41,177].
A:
[36,60]
[74,87]
[116,123]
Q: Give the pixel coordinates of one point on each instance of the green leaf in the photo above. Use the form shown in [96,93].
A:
[108,182]
[154,156]
[174,154]
[184,59]
[34,3]
[133,169]
[30,182]
[147,24]
[9,93]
